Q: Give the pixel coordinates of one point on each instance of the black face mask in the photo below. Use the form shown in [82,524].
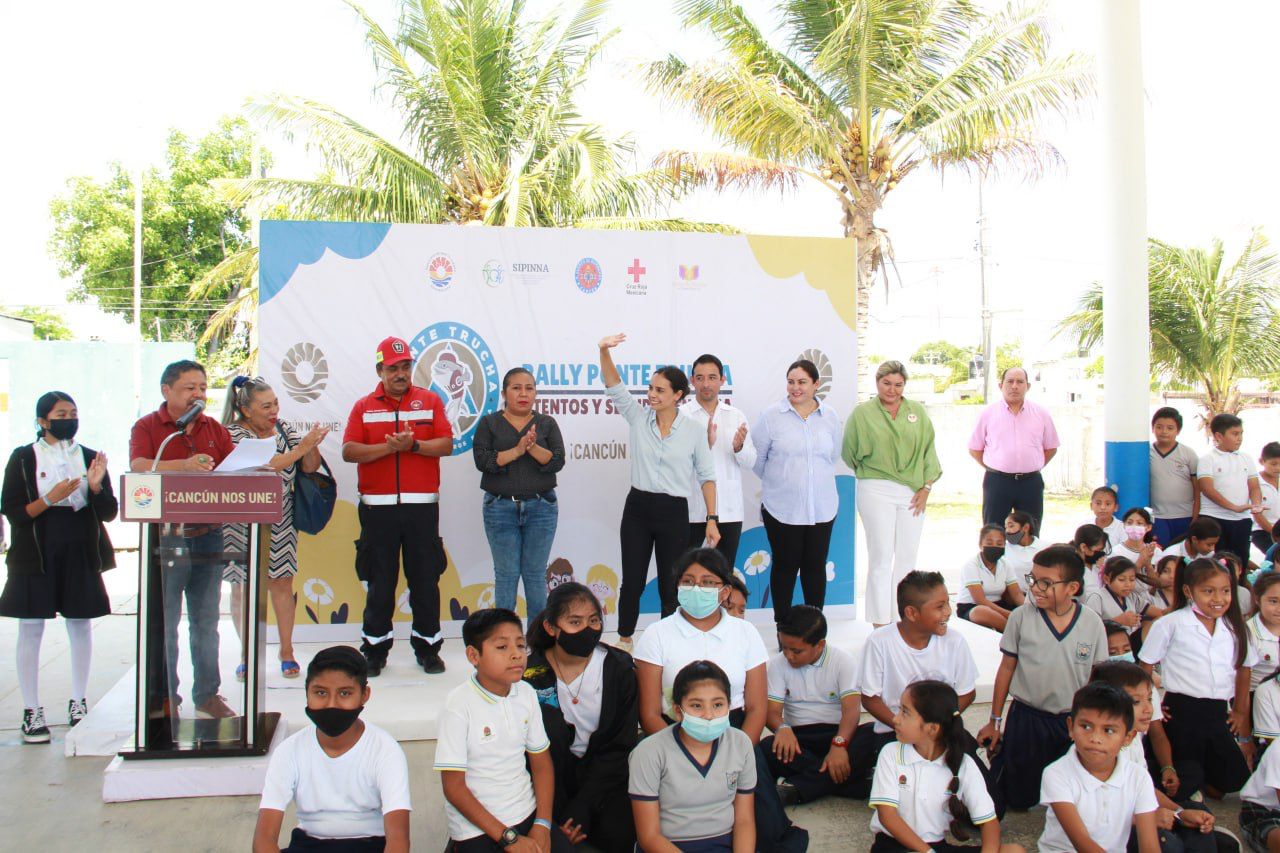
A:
[1093,558]
[992,553]
[333,721]
[581,644]
[64,429]
[1016,538]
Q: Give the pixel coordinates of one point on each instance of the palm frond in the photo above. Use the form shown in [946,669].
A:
[720,171]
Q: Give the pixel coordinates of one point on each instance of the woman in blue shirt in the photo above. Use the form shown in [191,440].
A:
[668,450]
[797,445]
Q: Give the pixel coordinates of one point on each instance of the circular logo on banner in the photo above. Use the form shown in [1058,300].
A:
[493,273]
[456,363]
[142,497]
[820,360]
[304,372]
[440,271]
[588,275]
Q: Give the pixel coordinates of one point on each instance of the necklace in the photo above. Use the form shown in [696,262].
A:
[581,680]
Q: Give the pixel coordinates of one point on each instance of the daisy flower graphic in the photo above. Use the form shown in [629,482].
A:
[757,563]
[317,590]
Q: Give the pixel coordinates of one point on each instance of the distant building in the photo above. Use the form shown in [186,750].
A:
[16,329]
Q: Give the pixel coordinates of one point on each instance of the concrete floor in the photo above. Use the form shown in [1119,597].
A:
[53,803]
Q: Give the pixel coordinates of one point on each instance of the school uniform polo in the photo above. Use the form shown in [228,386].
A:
[917,788]
[889,665]
[1270,505]
[1231,473]
[1115,531]
[486,736]
[1052,666]
[1266,646]
[695,800]
[1193,661]
[1108,605]
[813,693]
[1266,710]
[1106,807]
[1120,549]
[1262,785]
[1172,474]
[1019,559]
[733,644]
[993,583]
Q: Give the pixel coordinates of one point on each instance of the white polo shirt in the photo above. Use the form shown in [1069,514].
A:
[1019,558]
[993,583]
[486,736]
[1192,661]
[889,665]
[1266,710]
[1120,549]
[1107,808]
[343,797]
[1266,646]
[1262,785]
[1230,473]
[813,693]
[732,644]
[1270,504]
[729,465]
[1115,531]
[918,790]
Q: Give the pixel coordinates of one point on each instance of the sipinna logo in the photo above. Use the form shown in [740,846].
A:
[440,270]
[142,497]
[304,372]
[493,273]
[588,275]
[455,362]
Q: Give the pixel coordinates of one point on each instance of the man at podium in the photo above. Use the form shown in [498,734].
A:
[191,554]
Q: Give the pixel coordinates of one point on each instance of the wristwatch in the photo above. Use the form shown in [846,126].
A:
[509,836]
[714,518]
[414,447]
[841,742]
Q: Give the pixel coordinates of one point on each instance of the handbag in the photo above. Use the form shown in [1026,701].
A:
[314,494]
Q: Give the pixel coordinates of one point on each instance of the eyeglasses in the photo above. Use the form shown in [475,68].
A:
[1042,584]
[705,583]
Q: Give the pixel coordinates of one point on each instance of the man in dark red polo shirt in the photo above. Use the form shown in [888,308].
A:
[395,436]
[191,555]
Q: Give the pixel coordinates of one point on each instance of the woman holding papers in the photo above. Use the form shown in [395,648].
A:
[252,411]
[56,496]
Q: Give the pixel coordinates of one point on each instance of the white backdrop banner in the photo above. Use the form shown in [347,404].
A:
[474,302]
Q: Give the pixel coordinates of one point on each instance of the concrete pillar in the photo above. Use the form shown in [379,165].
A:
[1125,314]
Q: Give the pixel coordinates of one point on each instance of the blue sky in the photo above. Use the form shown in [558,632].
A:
[91,82]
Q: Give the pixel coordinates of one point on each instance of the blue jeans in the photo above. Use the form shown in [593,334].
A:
[192,569]
[520,535]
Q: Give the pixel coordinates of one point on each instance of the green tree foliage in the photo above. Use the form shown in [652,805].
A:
[1213,321]
[188,230]
[49,324]
[947,354]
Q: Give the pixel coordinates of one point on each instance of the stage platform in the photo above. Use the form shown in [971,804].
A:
[405,700]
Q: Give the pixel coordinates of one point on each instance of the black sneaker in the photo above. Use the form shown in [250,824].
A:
[77,710]
[431,664]
[789,794]
[34,729]
[375,665]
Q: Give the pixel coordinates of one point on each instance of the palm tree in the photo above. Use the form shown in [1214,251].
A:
[1211,324]
[865,93]
[489,136]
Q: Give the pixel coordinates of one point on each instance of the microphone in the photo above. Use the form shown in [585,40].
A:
[189,415]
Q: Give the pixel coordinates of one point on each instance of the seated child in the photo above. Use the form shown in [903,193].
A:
[1118,646]
[1264,627]
[692,783]
[1118,600]
[813,710]
[1157,585]
[1242,590]
[1260,805]
[736,603]
[1103,503]
[489,725]
[348,778]
[1201,540]
[1095,800]
[1050,646]
[1020,544]
[1139,542]
[926,784]
[989,590]
[1093,546]
[1268,481]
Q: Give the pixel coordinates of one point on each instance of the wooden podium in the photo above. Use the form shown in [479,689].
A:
[182,558]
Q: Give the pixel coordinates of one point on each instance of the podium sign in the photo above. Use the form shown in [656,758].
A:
[199,529]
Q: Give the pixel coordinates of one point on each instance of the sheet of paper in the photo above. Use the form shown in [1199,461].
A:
[249,453]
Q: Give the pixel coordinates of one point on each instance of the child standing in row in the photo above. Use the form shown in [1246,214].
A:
[1104,502]
[925,783]
[1205,657]
[1050,646]
[1175,491]
[988,588]
[1229,490]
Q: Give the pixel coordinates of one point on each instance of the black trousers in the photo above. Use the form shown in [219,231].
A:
[655,525]
[797,548]
[775,833]
[300,842]
[485,844]
[1236,537]
[386,534]
[1003,493]
[1204,750]
[1032,740]
[802,771]
[730,535]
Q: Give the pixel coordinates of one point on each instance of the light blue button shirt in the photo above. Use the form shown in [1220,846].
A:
[796,462]
[663,465]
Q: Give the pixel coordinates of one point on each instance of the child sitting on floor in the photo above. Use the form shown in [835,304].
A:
[1118,600]
[988,589]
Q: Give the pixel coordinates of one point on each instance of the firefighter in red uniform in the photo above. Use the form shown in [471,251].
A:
[396,436]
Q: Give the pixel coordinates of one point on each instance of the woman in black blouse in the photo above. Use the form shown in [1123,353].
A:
[518,452]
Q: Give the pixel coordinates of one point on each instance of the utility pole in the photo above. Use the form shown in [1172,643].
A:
[137,286]
[988,354]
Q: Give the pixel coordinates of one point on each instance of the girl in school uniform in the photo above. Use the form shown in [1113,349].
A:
[692,784]
[1020,544]
[1093,546]
[989,590]
[56,497]
[1157,585]
[1139,543]
[1243,591]
[1118,599]
[587,694]
[1264,636]
[925,784]
[1205,657]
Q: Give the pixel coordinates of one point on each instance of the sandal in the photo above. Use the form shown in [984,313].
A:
[240,670]
[290,668]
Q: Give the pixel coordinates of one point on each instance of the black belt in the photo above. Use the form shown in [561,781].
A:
[521,498]
[1014,476]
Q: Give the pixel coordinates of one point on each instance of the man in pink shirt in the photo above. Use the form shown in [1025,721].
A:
[1013,439]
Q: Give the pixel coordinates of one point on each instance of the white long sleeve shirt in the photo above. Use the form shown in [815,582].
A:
[729,465]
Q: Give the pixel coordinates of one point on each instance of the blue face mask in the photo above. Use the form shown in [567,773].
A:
[698,602]
[1127,656]
[704,731]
